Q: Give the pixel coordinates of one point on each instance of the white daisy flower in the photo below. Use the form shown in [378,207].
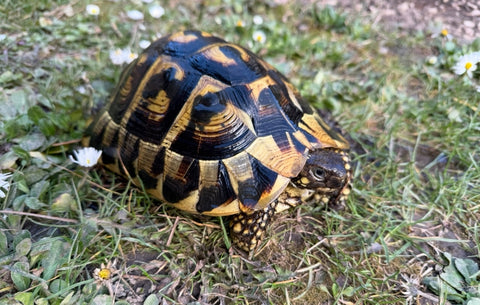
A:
[441,31]
[81,89]
[257,19]
[117,57]
[156,11]
[432,60]
[4,184]
[259,36]
[135,15]
[129,56]
[467,64]
[93,9]
[86,157]
[143,44]
[240,23]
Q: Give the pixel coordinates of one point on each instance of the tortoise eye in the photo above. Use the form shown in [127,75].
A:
[318,173]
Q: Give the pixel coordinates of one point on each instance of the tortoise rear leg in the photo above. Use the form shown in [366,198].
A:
[248,228]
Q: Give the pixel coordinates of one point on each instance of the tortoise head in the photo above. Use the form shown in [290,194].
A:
[326,176]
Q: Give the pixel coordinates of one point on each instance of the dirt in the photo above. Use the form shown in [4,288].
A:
[461,18]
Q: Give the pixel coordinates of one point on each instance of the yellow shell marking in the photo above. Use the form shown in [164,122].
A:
[257,86]
[182,38]
[215,54]
[243,54]
[159,105]
[286,161]
[291,94]
[315,129]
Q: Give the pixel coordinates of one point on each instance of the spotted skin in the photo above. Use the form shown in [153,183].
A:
[207,126]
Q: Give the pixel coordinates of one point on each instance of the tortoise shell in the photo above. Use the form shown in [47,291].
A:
[207,126]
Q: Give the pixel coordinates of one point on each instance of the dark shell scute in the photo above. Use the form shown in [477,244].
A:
[212,197]
[148,181]
[131,77]
[262,180]
[226,141]
[270,114]
[140,123]
[240,72]
[175,189]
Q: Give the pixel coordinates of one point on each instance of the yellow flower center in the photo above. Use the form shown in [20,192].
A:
[240,23]
[104,274]
[444,32]
[259,37]
[88,161]
[468,65]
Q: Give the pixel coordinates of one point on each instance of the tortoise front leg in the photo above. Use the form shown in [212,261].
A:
[248,228]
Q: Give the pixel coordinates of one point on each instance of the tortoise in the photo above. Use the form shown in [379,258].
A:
[207,126]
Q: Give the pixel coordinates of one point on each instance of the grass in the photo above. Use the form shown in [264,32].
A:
[415,204]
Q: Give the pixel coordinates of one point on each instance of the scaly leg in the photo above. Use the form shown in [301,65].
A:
[248,229]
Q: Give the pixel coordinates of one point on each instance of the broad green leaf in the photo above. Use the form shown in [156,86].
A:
[450,274]
[58,285]
[16,104]
[23,247]
[41,301]
[8,159]
[47,127]
[53,259]
[44,101]
[36,114]
[69,300]
[19,202]
[474,301]
[23,185]
[102,299]
[9,76]
[20,152]
[34,174]
[152,300]
[432,282]
[26,298]
[63,203]
[34,203]
[450,46]
[18,271]
[3,244]
[452,278]
[31,141]
[466,267]
[348,291]
[40,249]
[14,221]
[39,188]
[21,235]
